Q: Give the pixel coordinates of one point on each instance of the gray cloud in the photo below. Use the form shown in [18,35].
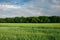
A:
[32,8]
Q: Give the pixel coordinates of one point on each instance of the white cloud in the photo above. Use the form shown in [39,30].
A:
[6,7]
[56,6]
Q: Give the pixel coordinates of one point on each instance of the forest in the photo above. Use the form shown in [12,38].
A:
[39,19]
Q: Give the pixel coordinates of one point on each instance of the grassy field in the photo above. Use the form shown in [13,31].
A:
[30,24]
[29,31]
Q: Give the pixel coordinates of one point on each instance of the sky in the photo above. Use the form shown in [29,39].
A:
[18,8]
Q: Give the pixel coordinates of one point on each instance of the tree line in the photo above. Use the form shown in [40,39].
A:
[39,19]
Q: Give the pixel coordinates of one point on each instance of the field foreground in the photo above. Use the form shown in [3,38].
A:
[29,31]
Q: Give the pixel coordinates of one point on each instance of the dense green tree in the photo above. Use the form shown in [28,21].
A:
[2,20]
[34,20]
[40,19]
[9,20]
[55,19]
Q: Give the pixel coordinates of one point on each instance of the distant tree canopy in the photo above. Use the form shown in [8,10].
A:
[40,19]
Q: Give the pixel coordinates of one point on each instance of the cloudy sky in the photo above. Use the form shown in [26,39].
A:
[13,8]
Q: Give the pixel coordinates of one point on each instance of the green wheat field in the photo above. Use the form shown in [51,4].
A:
[29,31]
